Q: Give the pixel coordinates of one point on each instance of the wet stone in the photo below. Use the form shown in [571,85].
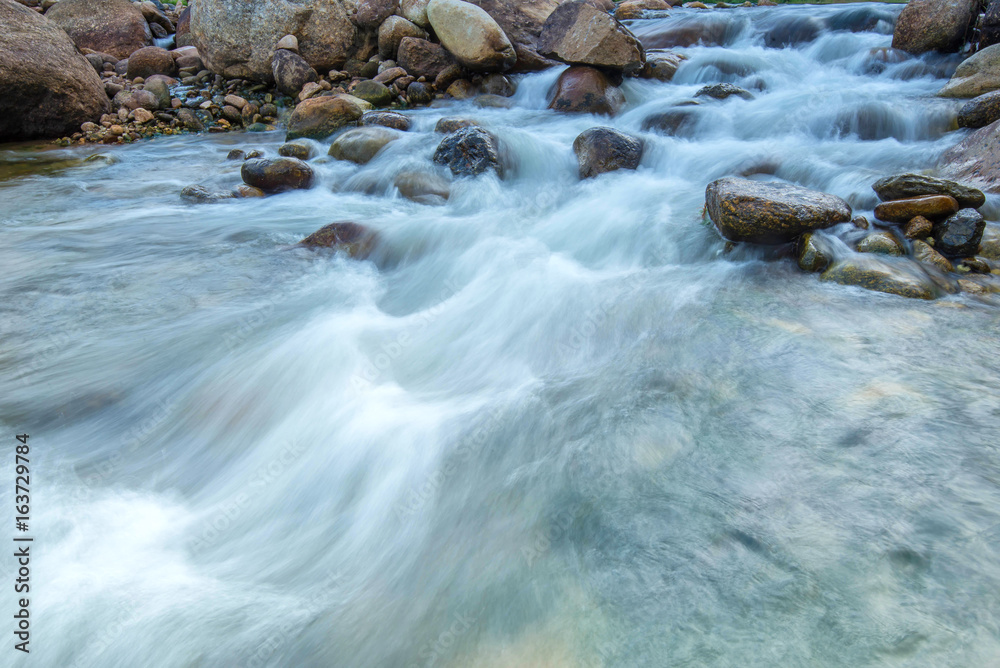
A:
[904,210]
[960,234]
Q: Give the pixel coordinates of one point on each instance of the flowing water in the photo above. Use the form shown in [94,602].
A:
[555,425]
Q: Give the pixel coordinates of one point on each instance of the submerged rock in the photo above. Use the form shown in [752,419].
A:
[602,150]
[721,91]
[470,152]
[679,122]
[356,240]
[662,66]
[320,117]
[924,252]
[448,125]
[579,34]
[360,145]
[960,234]
[299,150]
[928,206]
[934,25]
[423,187]
[976,158]
[815,252]
[905,186]
[278,174]
[770,213]
[586,90]
[989,245]
[900,277]
[880,243]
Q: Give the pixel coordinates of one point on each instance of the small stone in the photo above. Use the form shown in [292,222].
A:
[387,119]
[373,92]
[309,90]
[418,93]
[235,101]
[469,152]
[448,125]
[923,252]
[277,174]
[360,145]
[974,265]
[117,130]
[918,228]
[236,154]
[815,252]
[601,150]
[143,116]
[461,89]
[861,223]
[356,240]
[721,91]
[289,42]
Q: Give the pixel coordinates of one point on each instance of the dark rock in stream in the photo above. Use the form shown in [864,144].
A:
[601,150]
[356,240]
[470,152]
[904,186]
[900,276]
[959,235]
[278,174]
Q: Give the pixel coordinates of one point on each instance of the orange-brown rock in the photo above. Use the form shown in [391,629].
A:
[905,210]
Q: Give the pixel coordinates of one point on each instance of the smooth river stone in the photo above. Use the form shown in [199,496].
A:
[770,213]
[903,186]
[902,277]
[905,210]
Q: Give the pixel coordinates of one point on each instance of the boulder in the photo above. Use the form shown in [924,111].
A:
[182,37]
[880,243]
[904,186]
[522,22]
[721,91]
[277,174]
[815,252]
[422,58]
[423,187]
[356,240]
[393,31]
[370,14]
[469,152]
[151,60]
[586,90]
[110,26]
[928,206]
[320,117]
[471,35]
[990,29]
[601,150]
[960,234]
[373,92]
[387,119]
[291,72]
[49,89]
[360,145]
[976,159]
[934,25]
[770,213]
[579,34]
[980,112]
[662,66]
[155,16]
[678,122]
[975,75]
[236,38]
[419,93]
[897,277]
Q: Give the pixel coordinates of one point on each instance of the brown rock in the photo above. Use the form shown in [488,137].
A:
[918,228]
[423,187]
[662,66]
[422,58]
[388,119]
[275,175]
[586,90]
[371,13]
[929,206]
[579,34]
[110,26]
[150,60]
[928,25]
[903,186]
[360,145]
[356,240]
[880,243]
[291,72]
[448,125]
[320,117]
[924,252]
[48,88]
[980,112]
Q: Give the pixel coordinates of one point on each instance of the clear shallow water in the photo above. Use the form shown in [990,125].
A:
[556,427]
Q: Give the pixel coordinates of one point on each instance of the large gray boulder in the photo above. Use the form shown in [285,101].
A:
[976,159]
[934,25]
[109,26]
[236,38]
[471,35]
[48,88]
[978,74]
[770,213]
